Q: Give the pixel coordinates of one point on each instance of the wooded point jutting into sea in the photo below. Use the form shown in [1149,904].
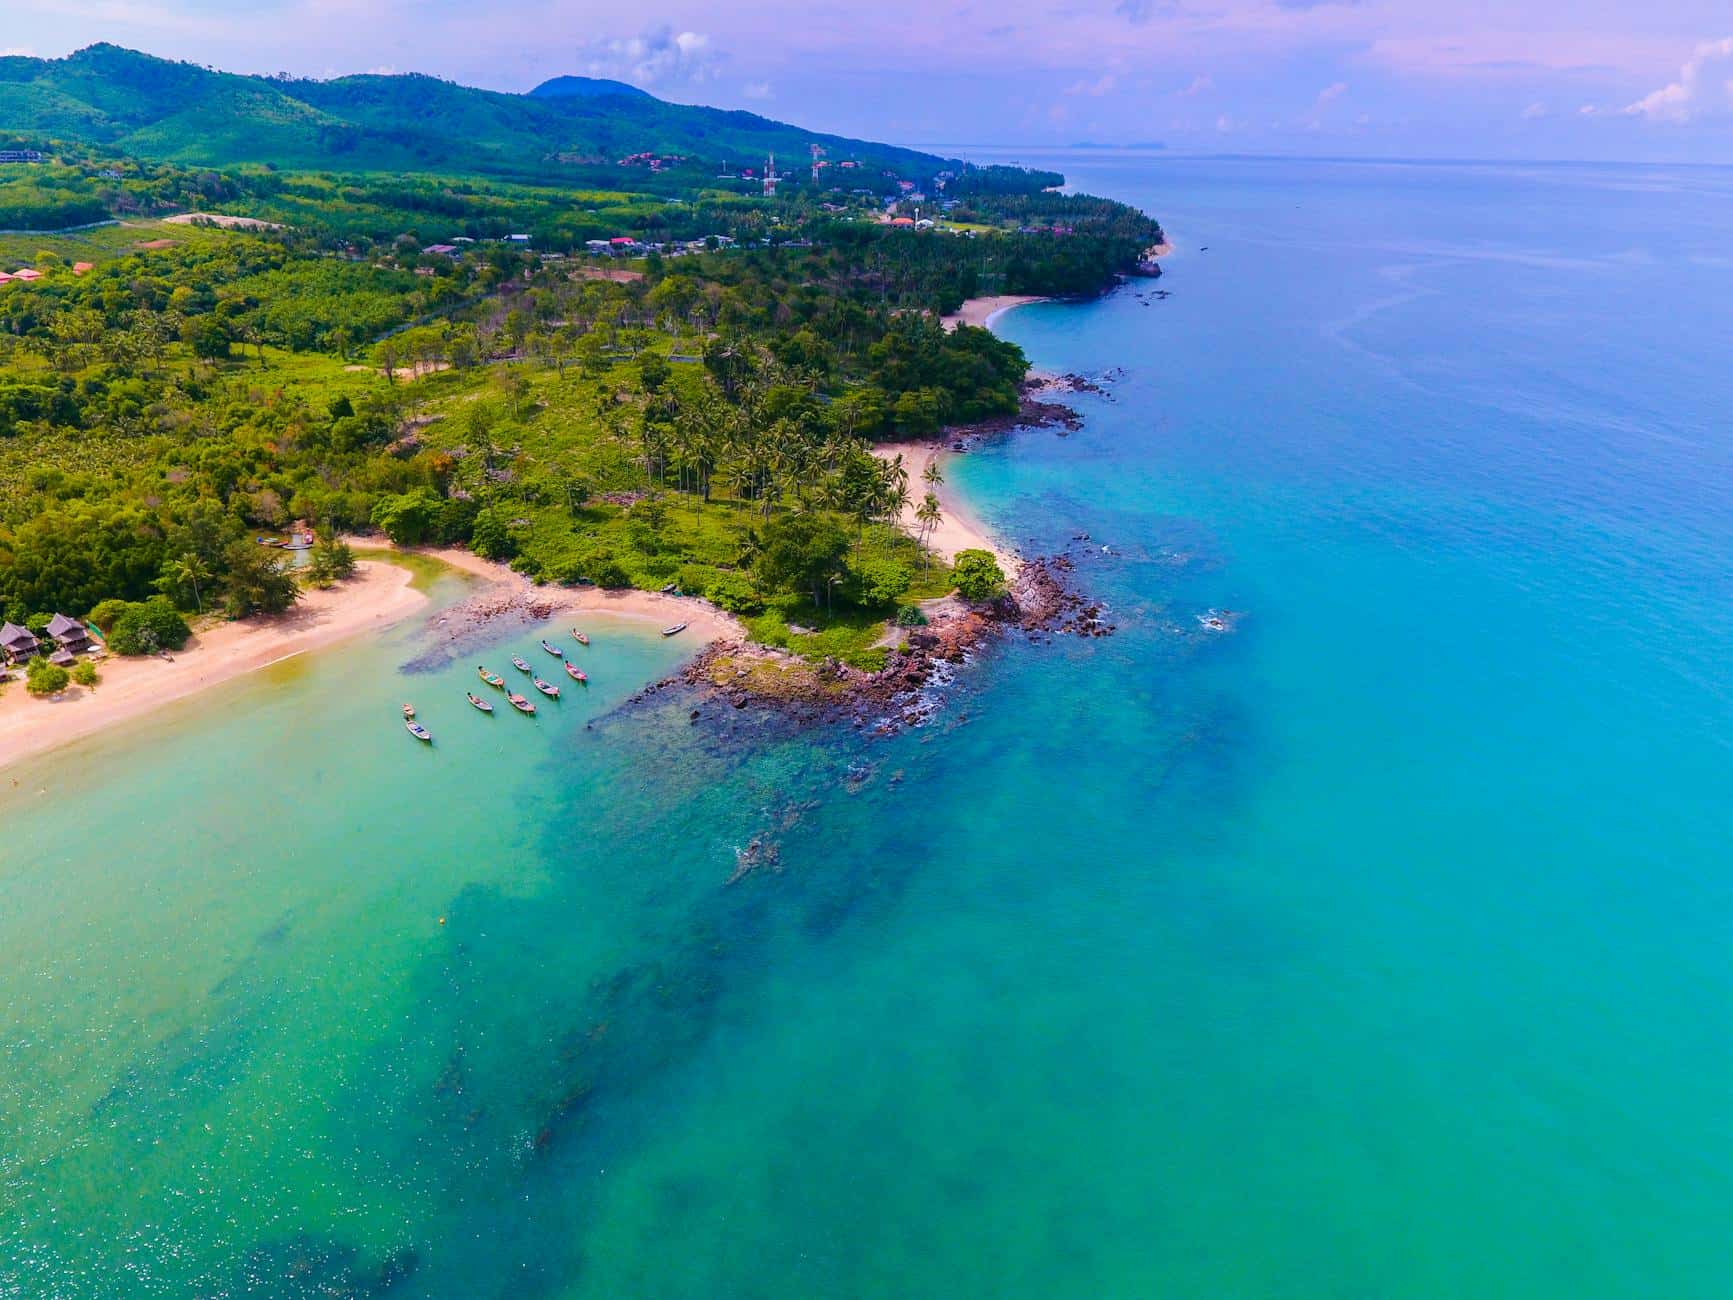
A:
[612,698]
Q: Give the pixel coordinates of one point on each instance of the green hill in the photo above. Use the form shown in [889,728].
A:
[181,112]
[584,88]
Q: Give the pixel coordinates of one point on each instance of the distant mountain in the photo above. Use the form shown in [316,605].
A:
[182,112]
[585,88]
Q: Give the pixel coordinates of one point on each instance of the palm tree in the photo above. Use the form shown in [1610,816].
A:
[929,517]
[932,475]
[188,571]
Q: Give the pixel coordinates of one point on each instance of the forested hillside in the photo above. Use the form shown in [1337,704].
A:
[155,108]
[668,381]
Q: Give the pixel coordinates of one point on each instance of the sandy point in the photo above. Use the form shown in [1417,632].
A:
[375,598]
[958,529]
[704,621]
[981,311]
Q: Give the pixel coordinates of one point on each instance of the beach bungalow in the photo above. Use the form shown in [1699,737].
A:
[83,268]
[69,634]
[26,273]
[443,250]
[17,643]
[63,659]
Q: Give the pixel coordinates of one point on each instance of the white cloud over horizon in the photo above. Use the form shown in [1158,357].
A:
[1704,87]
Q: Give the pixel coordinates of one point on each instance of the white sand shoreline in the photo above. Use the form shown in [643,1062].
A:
[378,596]
[958,530]
[705,622]
[982,312]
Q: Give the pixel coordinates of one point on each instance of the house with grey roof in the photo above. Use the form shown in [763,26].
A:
[17,643]
[69,634]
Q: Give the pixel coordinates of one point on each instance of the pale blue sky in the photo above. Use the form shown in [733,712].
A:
[1636,79]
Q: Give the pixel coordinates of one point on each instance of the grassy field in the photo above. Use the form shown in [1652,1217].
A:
[100,243]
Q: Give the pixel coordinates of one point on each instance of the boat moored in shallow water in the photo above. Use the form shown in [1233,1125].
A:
[520,663]
[492,679]
[420,732]
[581,638]
[519,703]
[479,703]
[547,688]
[672,631]
[575,673]
[554,650]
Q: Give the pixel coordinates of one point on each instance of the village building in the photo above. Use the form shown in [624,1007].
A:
[69,634]
[17,643]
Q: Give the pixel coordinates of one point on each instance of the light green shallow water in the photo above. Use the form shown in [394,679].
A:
[1378,949]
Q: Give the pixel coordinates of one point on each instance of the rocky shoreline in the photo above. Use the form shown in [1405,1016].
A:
[735,675]
[1043,600]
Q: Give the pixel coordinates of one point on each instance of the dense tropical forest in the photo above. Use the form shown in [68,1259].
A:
[450,360]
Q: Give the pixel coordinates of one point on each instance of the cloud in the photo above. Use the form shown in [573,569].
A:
[1534,111]
[1704,87]
[658,55]
[17,52]
[1141,11]
[1335,90]
[383,70]
[1224,124]
[1199,84]
[1102,85]
[756,90]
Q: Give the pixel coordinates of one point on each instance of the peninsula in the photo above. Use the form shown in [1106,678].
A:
[728,386]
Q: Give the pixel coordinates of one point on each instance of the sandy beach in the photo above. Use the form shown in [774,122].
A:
[959,530]
[704,622]
[378,595]
[980,311]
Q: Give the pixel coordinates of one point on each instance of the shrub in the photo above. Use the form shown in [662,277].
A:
[331,561]
[490,538]
[735,593]
[879,582]
[143,629]
[911,616]
[84,673]
[44,678]
[106,612]
[408,519]
[978,575]
[606,571]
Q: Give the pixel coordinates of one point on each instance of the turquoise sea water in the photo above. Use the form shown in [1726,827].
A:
[1376,948]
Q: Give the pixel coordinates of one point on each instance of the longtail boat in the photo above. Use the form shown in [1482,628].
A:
[409,710]
[479,703]
[581,638]
[518,662]
[519,703]
[672,631]
[492,679]
[547,688]
[420,732]
[554,650]
[576,673]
